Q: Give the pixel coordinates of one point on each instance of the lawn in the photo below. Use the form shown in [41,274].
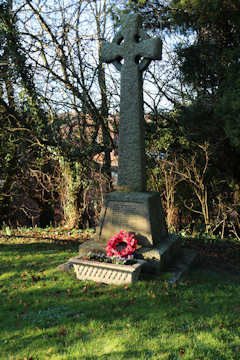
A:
[45,314]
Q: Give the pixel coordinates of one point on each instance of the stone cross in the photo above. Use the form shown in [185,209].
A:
[131,51]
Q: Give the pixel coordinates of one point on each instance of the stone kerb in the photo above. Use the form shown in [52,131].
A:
[105,272]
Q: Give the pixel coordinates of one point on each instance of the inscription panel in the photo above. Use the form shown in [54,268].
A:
[127,214]
[139,213]
[131,216]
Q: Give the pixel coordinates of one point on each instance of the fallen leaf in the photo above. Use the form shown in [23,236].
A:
[36,278]
[63,331]
[181,352]
[165,285]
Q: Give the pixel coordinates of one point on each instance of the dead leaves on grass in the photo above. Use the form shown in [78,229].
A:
[62,332]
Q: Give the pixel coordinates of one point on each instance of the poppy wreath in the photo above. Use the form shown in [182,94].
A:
[122,237]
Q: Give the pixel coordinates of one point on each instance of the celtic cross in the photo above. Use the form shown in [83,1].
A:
[131,51]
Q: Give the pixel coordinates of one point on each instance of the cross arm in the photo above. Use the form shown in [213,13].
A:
[110,52]
[150,49]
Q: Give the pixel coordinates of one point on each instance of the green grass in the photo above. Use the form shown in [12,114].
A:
[45,314]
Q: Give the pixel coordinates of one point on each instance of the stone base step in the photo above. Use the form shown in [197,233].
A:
[167,260]
[157,257]
[160,257]
[171,272]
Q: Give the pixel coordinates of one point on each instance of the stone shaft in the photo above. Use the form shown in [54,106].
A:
[131,148]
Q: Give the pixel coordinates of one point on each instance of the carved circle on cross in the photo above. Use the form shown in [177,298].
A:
[143,63]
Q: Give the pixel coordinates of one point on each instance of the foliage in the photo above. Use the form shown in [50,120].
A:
[25,124]
[111,259]
[71,63]
[210,64]
[45,173]
[187,169]
[228,106]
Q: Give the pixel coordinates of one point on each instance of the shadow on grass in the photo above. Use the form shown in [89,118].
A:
[40,246]
[175,353]
[149,302]
[6,239]
[17,258]
[122,355]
